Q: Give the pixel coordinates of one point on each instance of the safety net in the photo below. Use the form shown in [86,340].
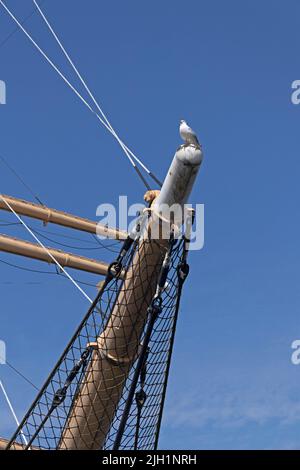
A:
[108,388]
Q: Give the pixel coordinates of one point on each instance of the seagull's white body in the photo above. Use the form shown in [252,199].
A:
[187,134]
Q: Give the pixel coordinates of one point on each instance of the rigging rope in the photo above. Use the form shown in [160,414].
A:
[46,250]
[4,41]
[72,246]
[124,147]
[98,245]
[103,122]
[21,374]
[21,180]
[38,271]
[12,411]
[23,268]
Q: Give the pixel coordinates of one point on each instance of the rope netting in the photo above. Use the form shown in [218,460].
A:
[107,390]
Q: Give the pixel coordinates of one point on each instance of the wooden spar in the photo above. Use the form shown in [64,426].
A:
[4,442]
[117,347]
[16,445]
[54,216]
[32,250]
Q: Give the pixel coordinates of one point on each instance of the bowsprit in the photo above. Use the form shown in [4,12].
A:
[108,388]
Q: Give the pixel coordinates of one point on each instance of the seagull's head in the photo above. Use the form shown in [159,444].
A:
[182,121]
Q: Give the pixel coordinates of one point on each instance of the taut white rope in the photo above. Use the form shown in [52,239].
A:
[13,412]
[124,147]
[104,123]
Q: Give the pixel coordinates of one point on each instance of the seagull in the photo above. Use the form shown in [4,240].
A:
[188,135]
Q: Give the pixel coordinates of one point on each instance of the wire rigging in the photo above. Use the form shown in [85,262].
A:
[21,375]
[41,51]
[100,247]
[23,268]
[4,161]
[124,147]
[2,43]
[9,224]
[95,246]
[38,271]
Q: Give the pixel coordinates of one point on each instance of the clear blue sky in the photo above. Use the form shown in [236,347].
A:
[227,68]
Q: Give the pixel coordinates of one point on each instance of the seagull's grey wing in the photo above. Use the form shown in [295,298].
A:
[193,133]
[196,138]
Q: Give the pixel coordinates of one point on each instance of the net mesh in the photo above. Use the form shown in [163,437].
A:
[83,401]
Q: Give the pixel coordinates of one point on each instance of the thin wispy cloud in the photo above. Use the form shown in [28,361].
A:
[235,401]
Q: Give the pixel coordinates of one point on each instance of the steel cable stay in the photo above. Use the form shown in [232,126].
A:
[124,147]
[23,21]
[56,68]
[93,248]
[39,271]
[18,372]
[131,157]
